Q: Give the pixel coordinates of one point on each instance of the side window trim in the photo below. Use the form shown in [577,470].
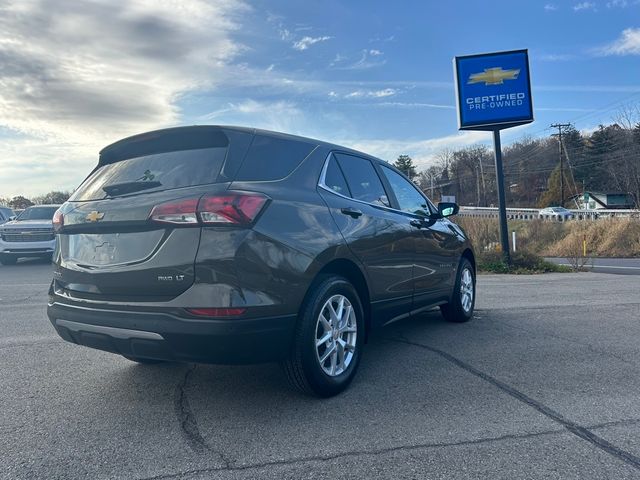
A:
[333,157]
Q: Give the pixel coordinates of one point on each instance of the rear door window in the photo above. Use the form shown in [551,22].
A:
[160,171]
[362,179]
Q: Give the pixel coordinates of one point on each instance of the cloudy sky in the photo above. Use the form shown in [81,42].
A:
[374,75]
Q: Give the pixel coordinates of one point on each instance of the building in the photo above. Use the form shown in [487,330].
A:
[603,201]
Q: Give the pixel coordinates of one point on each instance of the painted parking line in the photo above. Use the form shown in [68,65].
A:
[601,266]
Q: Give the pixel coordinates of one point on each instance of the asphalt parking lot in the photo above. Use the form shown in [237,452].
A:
[543,383]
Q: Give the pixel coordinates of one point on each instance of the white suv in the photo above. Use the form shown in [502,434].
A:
[29,235]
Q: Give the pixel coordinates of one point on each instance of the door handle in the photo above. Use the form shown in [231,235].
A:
[352,212]
[417,223]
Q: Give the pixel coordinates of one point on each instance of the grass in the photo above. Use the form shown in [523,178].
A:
[521,263]
[612,237]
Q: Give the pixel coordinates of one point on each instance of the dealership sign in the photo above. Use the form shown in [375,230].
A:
[493,90]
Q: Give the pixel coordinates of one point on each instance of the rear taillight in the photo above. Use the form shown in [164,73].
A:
[180,212]
[58,221]
[233,208]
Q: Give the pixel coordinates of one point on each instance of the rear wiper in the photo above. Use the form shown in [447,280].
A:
[129,187]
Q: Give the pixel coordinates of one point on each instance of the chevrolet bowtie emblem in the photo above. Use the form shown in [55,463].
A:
[94,216]
[493,76]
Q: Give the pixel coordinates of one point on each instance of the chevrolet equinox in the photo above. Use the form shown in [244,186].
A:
[232,245]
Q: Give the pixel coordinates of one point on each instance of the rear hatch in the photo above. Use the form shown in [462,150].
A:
[131,230]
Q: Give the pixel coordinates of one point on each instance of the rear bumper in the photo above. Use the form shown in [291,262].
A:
[163,336]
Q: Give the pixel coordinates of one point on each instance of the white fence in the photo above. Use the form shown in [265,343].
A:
[534,213]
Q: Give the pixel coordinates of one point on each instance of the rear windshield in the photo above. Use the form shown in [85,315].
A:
[153,173]
[37,213]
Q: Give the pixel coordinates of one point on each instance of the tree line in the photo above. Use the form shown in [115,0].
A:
[20,203]
[605,160]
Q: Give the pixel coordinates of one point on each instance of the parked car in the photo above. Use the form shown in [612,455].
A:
[6,214]
[556,213]
[29,235]
[233,245]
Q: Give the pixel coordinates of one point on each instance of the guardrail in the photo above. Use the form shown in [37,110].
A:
[534,213]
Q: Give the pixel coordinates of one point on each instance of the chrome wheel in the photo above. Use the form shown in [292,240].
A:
[466,290]
[336,331]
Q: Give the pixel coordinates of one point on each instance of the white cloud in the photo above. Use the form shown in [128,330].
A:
[423,152]
[386,92]
[627,44]
[415,105]
[584,6]
[374,53]
[550,7]
[280,115]
[78,76]
[284,34]
[367,60]
[306,42]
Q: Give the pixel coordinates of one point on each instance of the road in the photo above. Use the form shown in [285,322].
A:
[542,383]
[619,266]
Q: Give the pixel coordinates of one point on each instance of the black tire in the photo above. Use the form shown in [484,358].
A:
[303,368]
[454,310]
[143,361]
[8,259]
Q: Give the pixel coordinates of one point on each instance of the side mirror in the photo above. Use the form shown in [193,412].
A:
[13,217]
[446,209]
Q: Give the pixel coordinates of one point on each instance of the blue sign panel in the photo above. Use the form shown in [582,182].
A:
[493,90]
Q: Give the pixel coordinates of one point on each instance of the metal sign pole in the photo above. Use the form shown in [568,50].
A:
[502,207]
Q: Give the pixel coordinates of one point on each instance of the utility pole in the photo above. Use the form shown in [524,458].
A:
[484,185]
[477,186]
[431,180]
[560,126]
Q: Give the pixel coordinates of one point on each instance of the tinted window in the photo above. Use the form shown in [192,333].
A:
[162,170]
[363,180]
[334,179]
[272,158]
[38,213]
[409,198]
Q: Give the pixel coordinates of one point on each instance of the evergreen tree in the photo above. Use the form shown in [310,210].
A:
[404,163]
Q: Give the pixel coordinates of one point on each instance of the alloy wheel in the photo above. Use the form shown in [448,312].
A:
[336,332]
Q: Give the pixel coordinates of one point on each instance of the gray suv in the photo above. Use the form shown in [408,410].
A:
[233,245]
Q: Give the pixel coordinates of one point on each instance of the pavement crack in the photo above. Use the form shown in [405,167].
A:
[353,453]
[616,423]
[574,428]
[187,420]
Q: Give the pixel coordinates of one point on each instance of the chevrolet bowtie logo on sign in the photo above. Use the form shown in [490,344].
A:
[493,76]
[94,216]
